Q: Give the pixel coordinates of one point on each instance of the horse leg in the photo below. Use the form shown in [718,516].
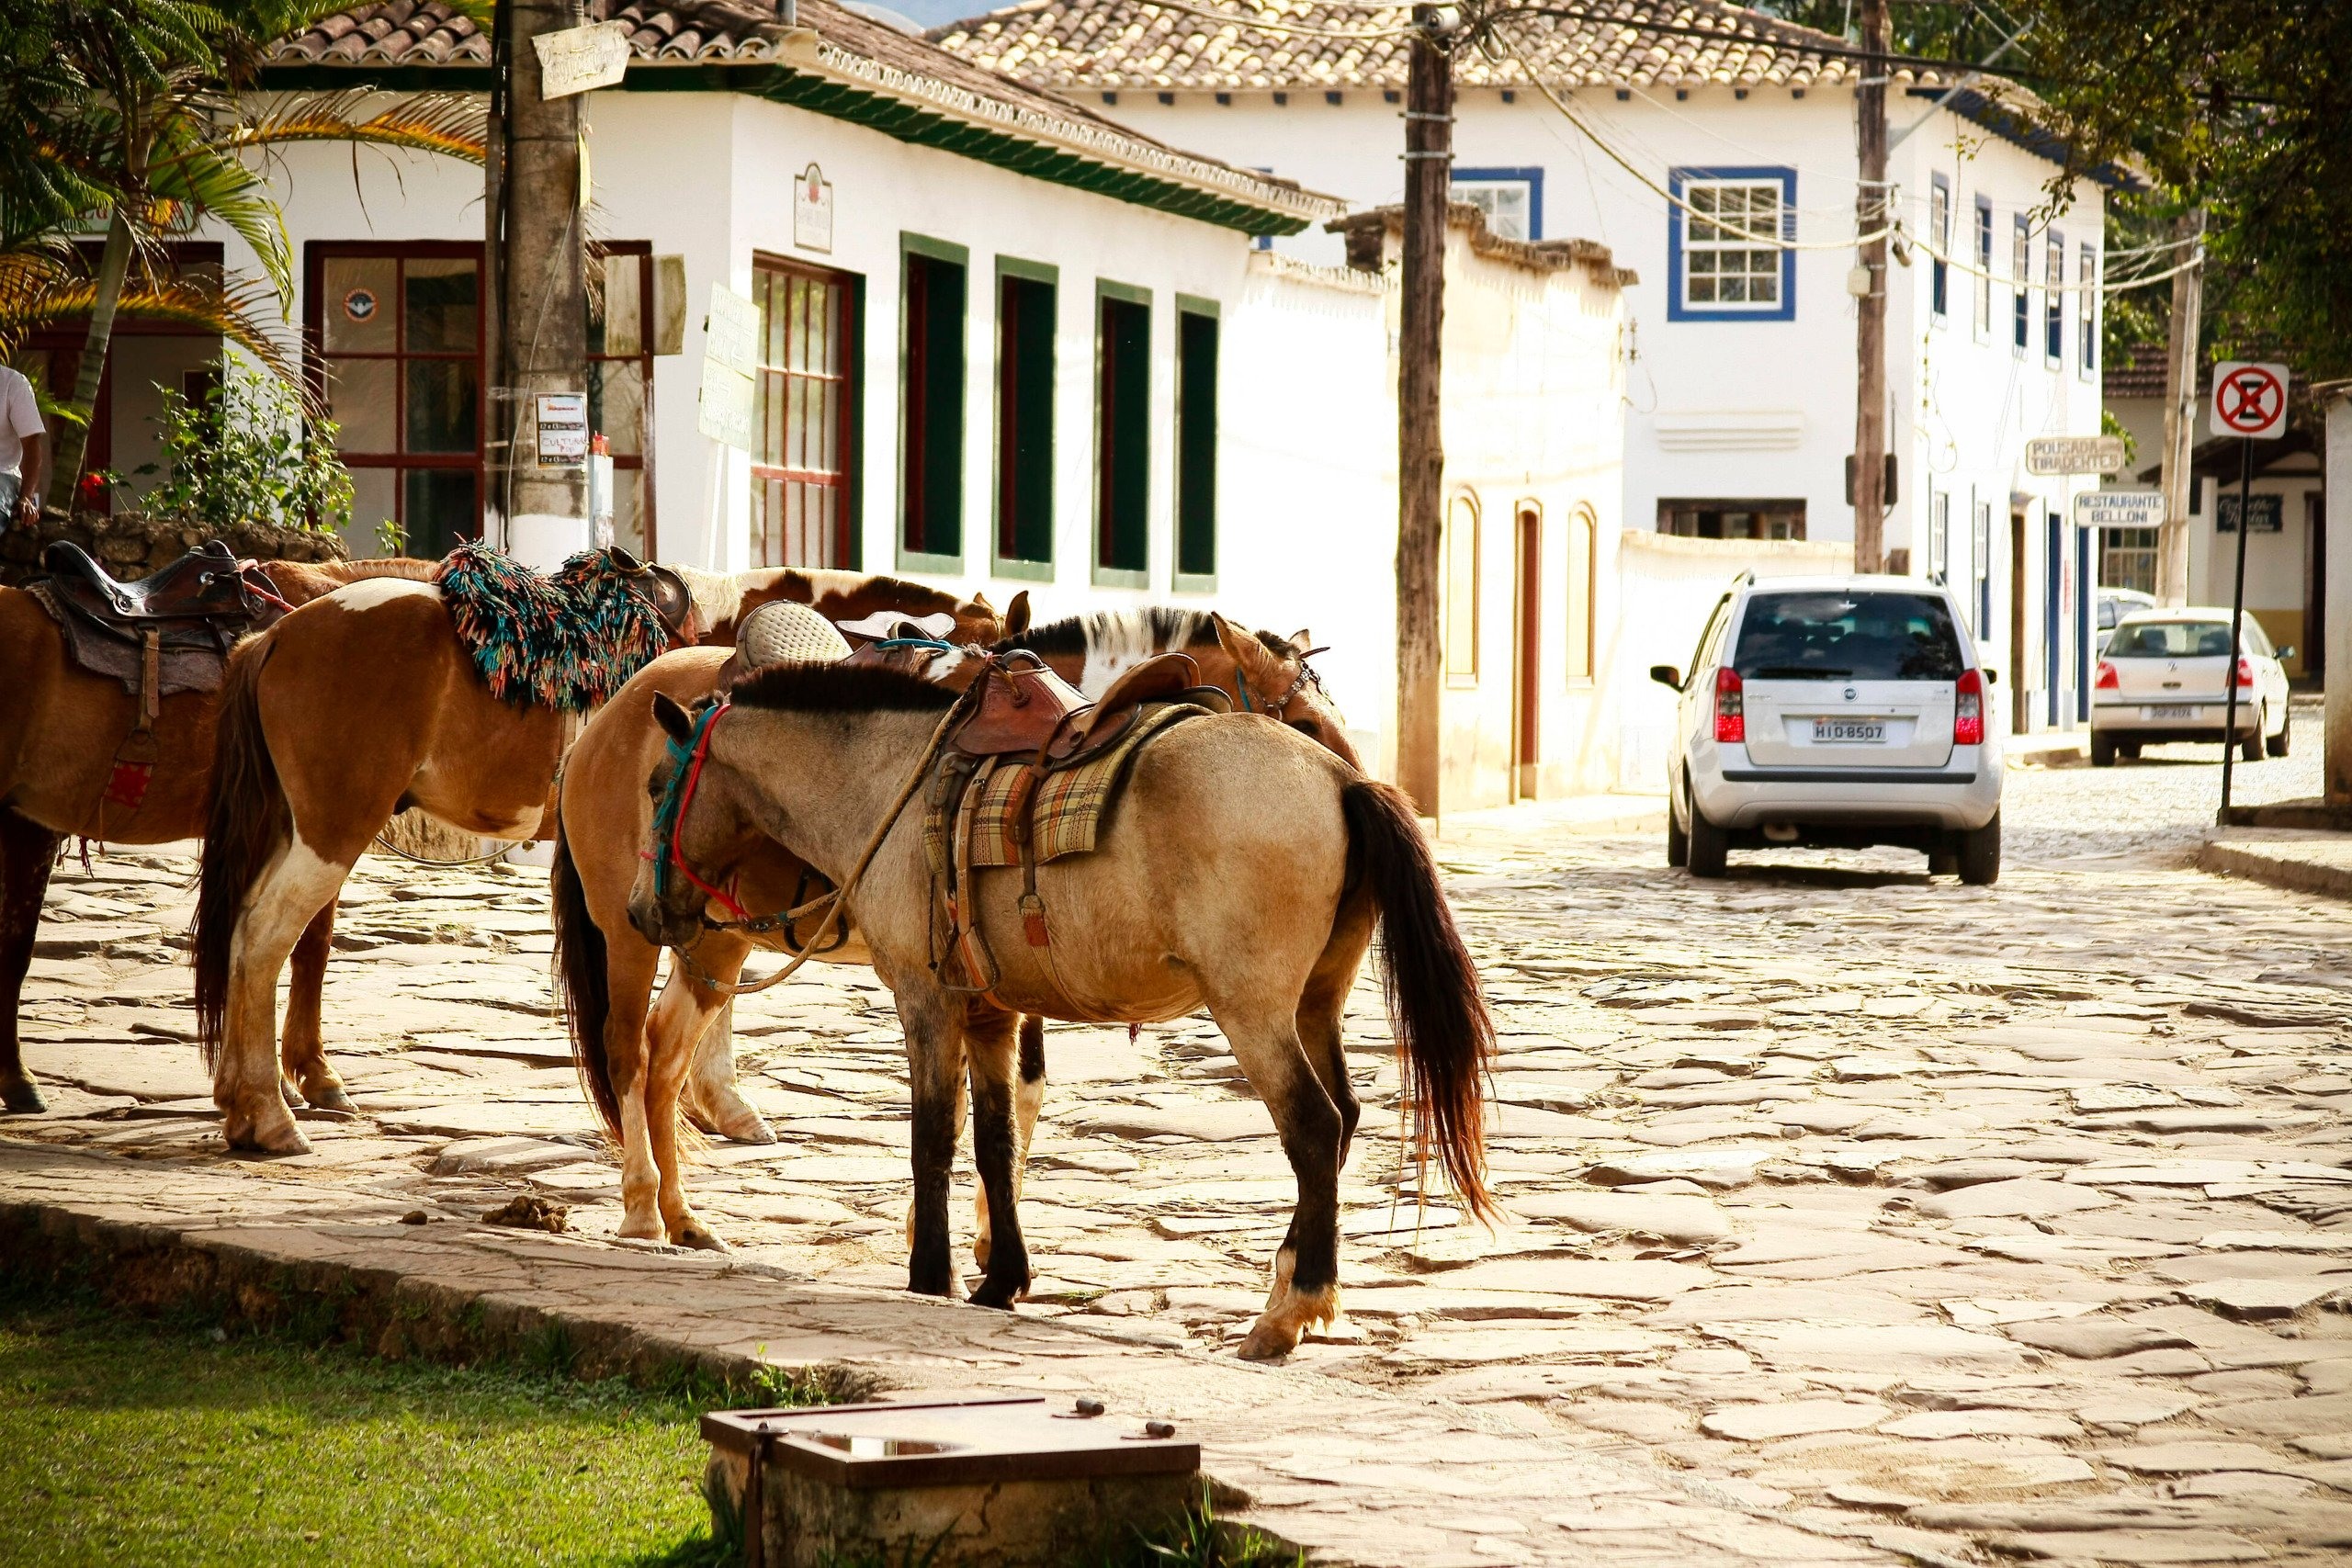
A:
[629,968]
[713,1101]
[989,1042]
[1306,1268]
[289,893]
[1028,1096]
[27,852]
[674,1036]
[300,1053]
[935,1072]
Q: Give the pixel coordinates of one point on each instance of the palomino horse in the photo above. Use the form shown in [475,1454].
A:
[1244,868]
[608,970]
[61,728]
[360,705]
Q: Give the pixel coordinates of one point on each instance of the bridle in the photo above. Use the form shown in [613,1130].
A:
[670,813]
[1278,708]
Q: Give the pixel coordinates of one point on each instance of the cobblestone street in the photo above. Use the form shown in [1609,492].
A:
[2017,1218]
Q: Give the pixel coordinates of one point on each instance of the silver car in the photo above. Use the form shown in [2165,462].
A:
[1834,711]
[2164,676]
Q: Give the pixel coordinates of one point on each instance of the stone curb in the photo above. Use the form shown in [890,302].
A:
[2277,863]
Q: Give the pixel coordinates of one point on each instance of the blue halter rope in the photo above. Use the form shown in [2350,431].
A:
[683,756]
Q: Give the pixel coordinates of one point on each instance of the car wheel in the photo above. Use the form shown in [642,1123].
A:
[2277,745]
[2127,749]
[2250,749]
[1944,862]
[1678,842]
[2102,750]
[1980,854]
[1709,846]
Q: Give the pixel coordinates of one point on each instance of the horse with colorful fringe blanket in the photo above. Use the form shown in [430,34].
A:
[373,700]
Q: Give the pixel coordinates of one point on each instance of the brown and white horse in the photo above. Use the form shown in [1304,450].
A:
[357,705]
[608,970]
[1244,870]
[61,728]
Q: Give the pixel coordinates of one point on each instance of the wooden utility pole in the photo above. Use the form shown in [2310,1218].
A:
[2180,409]
[542,311]
[1871,208]
[1420,447]
[499,413]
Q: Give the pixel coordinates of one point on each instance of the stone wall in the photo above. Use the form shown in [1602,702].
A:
[132,546]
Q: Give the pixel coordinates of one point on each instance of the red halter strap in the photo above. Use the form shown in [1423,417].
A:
[670,850]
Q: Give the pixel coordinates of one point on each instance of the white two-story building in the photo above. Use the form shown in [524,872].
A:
[1739,343]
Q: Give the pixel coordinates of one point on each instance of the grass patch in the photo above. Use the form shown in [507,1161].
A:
[124,1441]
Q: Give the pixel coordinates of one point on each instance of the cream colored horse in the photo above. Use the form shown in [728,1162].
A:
[1244,870]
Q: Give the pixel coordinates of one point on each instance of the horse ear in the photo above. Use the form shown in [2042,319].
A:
[1243,648]
[672,718]
[983,601]
[1301,641]
[1016,614]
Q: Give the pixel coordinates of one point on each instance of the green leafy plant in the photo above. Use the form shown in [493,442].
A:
[1200,1540]
[242,453]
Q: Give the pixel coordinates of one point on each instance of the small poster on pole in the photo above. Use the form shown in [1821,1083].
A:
[563,429]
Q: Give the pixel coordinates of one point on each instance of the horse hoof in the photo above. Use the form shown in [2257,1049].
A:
[1268,1342]
[999,1293]
[291,1093]
[23,1100]
[278,1138]
[738,1123]
[333,1099]
[692,1233]
[648,1230]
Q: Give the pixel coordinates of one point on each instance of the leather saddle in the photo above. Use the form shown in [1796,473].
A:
[201,591]
[1025,709]
[663,589]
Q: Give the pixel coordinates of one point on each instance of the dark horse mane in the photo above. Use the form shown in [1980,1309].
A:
[1168,627]
[839,688]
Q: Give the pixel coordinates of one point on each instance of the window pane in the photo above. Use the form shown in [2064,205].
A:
[628,511]
[438,509]
[363,398]
[1124,435]
[1196,445]
[442,412]
[375,502]
[617,404]
[442,300]
[1462,589]
[358,304]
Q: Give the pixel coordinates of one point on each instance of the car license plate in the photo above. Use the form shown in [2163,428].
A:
[1849,731]
[2169,710]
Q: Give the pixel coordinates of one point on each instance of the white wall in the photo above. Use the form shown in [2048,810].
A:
[1754,410]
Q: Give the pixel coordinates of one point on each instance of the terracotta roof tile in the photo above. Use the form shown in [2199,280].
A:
[1100,44]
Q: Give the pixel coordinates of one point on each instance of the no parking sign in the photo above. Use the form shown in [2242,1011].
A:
[2250,399]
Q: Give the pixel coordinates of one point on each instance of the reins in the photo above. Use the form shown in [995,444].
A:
[835,904]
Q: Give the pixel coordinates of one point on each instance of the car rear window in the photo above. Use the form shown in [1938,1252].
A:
[1869,636]
[2171,639]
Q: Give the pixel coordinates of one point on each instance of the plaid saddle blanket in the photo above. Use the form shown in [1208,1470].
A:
[1064,811]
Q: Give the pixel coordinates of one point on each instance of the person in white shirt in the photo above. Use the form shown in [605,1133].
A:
[24,451]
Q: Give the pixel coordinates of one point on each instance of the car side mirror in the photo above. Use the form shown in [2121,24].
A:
[1992,676]
[1666,675]
[2286,651]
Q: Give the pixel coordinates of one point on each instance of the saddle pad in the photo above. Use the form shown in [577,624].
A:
[567,640]
[184,668]
[1070,805]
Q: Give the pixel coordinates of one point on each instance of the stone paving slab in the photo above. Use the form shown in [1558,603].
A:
[1356,1477]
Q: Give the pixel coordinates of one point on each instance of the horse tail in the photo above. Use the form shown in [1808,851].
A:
[580,967]
[1445,1038]
[246,822]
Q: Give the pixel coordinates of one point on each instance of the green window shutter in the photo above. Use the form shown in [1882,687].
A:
[1025,419]
[932,427]
[1196,445]
[1125,435]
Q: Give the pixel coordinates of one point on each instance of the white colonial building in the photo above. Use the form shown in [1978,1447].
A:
[1739,368]
[1003,344]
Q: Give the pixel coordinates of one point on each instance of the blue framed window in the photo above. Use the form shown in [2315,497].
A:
[1983,254]
[2087,274]
[2020,286]
[1939,225]
[1723,259]
[1512,199]
[2053,299]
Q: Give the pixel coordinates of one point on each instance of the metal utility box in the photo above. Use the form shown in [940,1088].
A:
[997,1482]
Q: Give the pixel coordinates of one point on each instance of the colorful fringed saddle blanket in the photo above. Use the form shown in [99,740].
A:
[568,639]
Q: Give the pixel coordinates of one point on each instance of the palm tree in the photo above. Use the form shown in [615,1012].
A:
[128,112]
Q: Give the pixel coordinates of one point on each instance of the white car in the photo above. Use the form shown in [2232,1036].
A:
[2161,677]
[1834,711]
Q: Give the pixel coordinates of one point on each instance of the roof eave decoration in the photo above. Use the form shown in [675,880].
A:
[2018,127]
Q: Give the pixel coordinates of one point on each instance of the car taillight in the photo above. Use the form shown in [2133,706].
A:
[1968,709]
[2109,680]
[1730,710]
[2246,671]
